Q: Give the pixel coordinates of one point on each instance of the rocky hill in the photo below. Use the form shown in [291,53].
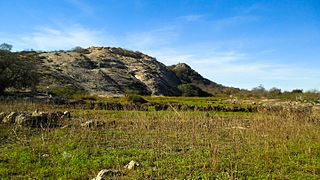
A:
[189,76]
[115,71]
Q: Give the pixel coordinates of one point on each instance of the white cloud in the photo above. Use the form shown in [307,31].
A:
[49,38]
[220,57]
[238,69]
[222,62]
[82,6]
[250,9]
[151,39]
[191,17]
[229,22]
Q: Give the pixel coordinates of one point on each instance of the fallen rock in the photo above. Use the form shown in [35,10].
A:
[132,165]
[105,173]
[10,118]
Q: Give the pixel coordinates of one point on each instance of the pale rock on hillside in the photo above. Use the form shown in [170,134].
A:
[107,71]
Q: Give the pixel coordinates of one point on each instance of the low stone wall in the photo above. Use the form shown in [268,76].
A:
[35,119]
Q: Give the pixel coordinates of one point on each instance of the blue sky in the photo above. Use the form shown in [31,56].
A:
[243,44]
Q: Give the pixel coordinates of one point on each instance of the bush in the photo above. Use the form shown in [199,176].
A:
[16,71]
[298,91]
[69,92]
[79,49]
[5,47]
[136,99]
[190,90]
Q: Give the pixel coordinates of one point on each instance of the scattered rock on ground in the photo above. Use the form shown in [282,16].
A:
[105,173]
[132,165]
[92,123]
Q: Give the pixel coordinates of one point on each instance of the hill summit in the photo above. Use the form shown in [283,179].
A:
[113,71]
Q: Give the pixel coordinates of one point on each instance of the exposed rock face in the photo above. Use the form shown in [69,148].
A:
[115,72]
[108,71]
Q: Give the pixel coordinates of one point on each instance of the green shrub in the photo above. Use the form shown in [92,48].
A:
[190,90]
[79,49]
[136,99]
[297,91]
[69,92]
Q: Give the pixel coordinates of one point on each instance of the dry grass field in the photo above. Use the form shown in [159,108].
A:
[167,144]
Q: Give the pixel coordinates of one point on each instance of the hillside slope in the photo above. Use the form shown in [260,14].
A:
[115,71]
[108,71]
[189,76]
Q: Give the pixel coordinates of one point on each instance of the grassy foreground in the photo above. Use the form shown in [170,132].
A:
[167,144]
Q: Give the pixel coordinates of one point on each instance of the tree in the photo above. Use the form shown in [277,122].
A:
[275,91]
[80,49]
[5,47]
[298,91]
[259,89]
[16,71]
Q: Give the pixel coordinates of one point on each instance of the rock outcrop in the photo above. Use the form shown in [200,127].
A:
[107,71]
